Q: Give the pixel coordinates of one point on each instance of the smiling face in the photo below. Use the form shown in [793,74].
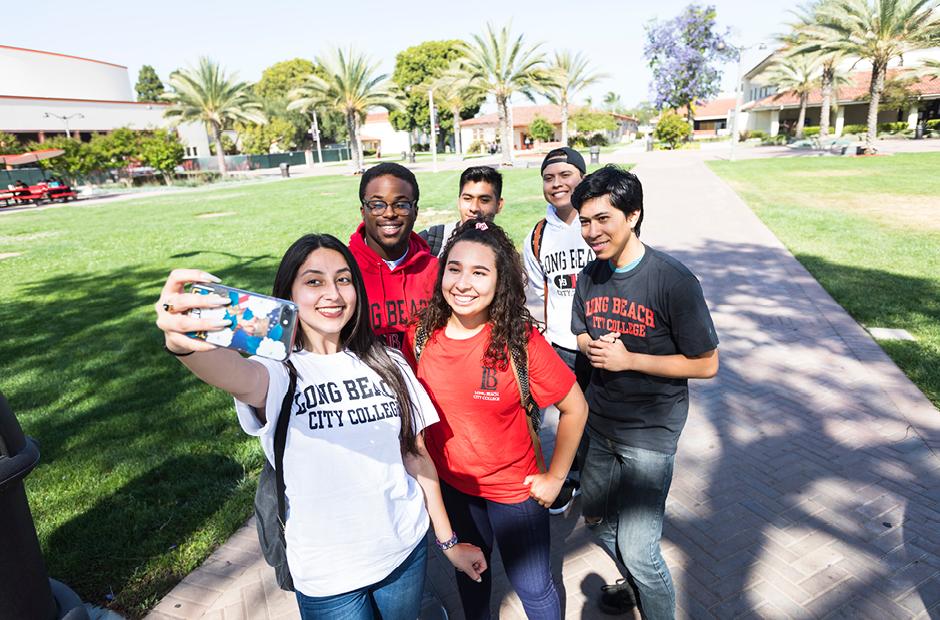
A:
[469,282]
[325,296]
[558,181]
[388,232]
[478,199]
[606,229]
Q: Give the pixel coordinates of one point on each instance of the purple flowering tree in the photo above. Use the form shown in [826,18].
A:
[683,53]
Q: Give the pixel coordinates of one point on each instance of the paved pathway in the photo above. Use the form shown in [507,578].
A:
[808,477]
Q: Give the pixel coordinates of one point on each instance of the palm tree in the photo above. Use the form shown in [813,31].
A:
[570,73]
[874,30]
[452,92]
[796,74]
[496,64]
[350,85]
[930,68]
[206,94]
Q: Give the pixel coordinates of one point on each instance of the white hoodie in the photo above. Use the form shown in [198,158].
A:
[563,254]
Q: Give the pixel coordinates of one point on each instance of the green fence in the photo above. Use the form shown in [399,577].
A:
[30,176]
[259,162]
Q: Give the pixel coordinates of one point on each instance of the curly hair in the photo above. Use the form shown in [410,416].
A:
[509,318]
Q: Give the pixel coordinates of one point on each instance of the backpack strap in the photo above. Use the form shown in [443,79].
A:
[421,338]
[436,238]
[280,441]
[537,233]
[520,370]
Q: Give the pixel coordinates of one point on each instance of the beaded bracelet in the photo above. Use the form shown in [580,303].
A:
[444,546]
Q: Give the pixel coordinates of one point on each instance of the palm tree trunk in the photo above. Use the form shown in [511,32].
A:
[219,153]
[801,120]
[354,153]
[564,121]
[458,147]
[874,89]
[827,78]
[505,147]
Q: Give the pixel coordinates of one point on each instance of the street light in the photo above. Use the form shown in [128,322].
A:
[315,130]
[65,119]
[739,95]
[433,129]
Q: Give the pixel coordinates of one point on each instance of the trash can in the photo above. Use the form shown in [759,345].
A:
[285,170]
[411,157]
[595,154]
[404,155]
[919,131]
[25,589]
[649,142]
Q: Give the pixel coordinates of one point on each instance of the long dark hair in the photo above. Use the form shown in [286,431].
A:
[509,318]
[357,335]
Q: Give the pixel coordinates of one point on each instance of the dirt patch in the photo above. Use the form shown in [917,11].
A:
[826,173]
[328,194]
[28,236]
[206,216]
[920,213]
[9,254]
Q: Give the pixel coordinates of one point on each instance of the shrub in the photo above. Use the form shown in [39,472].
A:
[933,124]
[855,129]
[477,146]
[540,129]
[757,133]
[895,127]
[577,142]
[809,132]
[777,140]
[672,129]
[598,139]
[640,135]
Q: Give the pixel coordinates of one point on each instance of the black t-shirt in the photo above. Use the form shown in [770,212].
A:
[659,309]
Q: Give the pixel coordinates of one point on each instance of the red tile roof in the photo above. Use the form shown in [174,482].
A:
[377,117]
[717,108]
[523,115]
[855,91]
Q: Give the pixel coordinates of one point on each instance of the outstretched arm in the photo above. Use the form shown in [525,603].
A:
[244,379]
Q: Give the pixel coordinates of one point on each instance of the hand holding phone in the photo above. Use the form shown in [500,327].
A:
[252,323]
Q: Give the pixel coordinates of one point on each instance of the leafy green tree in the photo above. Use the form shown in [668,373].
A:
[208,95]
[149,87]
[282,77]
[9,144]
[569,74]
[672,129]
[257,139]
[79,158]
[117,149]
[798,74]
[541,130]
[587,121]
[416,68]
[163,151]
[875,31]
[498,64]
[351,86]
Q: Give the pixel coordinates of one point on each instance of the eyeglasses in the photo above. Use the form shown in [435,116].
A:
[378,207]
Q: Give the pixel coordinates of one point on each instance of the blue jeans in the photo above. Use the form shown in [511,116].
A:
[397,597]
[522,533]
[623,498]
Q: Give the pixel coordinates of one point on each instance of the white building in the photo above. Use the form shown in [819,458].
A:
[764,109]
[379,135]
[43,94]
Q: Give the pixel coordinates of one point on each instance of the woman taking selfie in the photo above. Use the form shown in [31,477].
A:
[359,488]
[489,469]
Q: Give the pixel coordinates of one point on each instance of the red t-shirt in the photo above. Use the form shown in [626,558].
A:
[481,446]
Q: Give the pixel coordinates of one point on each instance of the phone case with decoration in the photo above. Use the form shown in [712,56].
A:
[258,324]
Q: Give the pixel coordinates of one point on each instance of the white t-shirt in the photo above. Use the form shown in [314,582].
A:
[564,253]
[354,513]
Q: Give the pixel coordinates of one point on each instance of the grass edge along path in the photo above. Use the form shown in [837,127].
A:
[882,265]
[144,470]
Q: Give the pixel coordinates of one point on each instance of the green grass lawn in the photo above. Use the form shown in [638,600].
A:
[144,470]
[868,229]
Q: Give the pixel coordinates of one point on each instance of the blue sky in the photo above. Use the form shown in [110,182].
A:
[247,36]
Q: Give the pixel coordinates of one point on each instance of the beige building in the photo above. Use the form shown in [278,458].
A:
[43,94]
[485,128]
[764,109]
[378,134]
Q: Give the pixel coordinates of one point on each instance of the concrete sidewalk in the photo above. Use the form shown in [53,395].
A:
[807,482]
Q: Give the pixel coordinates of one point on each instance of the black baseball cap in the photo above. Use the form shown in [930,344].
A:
[565,155]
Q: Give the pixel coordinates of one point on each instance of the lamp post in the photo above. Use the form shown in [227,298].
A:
[315,130]
[433,129]
[64,119]
[739,95]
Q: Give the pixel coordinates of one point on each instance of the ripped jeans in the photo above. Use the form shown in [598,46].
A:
[623,499]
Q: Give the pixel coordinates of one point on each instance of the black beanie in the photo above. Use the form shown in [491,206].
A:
[565,155]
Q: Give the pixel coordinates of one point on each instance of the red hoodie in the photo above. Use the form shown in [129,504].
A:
[395,295]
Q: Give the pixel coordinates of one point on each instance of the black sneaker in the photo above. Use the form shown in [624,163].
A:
[570,489]
[617,598]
